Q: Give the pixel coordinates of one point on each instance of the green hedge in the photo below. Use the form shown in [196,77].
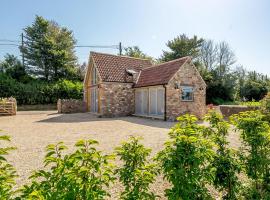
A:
[39,92]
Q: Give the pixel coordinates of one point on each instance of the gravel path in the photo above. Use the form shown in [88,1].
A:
[32,131]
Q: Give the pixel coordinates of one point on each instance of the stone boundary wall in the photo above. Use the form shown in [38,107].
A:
[71,106]
[228,110]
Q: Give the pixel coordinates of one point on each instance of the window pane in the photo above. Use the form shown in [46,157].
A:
[187,93]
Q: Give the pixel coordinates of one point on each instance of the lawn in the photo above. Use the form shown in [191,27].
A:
[31,131]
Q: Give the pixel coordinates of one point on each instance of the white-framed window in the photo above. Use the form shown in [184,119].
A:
[94,76]
[187,93]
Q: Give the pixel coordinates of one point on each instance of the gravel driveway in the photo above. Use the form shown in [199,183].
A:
[32,131]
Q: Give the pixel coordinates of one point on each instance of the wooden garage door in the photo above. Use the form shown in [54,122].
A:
[141,101]
[156,101]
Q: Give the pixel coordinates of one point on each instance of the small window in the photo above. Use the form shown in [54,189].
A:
[94,80]
[187,93]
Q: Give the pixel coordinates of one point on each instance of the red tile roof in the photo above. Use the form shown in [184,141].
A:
[160,74]
[112,68]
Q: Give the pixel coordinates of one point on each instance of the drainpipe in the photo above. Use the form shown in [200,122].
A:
[165,103]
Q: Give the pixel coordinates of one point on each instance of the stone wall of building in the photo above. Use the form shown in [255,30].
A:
[116,99]
[186,76]
[71,106]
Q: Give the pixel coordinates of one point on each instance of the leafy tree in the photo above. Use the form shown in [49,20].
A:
[186,159]
[49,50]
[7,172]
[13,67]
[136,52]
[135,174]
[254,86]
[182,46]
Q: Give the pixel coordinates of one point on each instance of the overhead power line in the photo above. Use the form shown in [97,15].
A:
[18,43]
[5,40]
[6,44]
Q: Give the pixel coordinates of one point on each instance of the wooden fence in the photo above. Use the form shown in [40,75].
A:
[8,107]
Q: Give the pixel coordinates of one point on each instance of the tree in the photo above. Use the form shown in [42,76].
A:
[254,86]
[208,54]
[182,46]
[135,52]
[13,67]
[49,50]
[82,70]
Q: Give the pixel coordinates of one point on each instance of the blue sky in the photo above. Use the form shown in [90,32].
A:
[244,24]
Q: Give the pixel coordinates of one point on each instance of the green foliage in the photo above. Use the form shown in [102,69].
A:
[252,103]
[13,67]
[136,174]
[255,133]
[265,106]
[182,46]
[7,172]
[137,53]
[49,50]
[39,92]
[254,86]
[226,162]
[186,159]
[84,174]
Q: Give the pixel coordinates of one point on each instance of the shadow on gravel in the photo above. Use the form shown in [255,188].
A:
[88,117]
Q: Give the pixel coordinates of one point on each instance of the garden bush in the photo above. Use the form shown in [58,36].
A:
[39,92]
[195,160]
[136,174]
[7,171]
[84,174]
[226,162]
[255,134]
[265,106]
[185,161]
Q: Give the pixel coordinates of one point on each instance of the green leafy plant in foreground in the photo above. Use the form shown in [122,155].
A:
[7,172]
[226,162]
[186,159]
[255,134]
[84,174]
[136,174]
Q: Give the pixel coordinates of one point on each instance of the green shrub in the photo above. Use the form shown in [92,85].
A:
[7,172]
[84,174]
[38,92]
[265,106]
[226,162]
[185,161]
[136,174]
[255,134]
[250,103]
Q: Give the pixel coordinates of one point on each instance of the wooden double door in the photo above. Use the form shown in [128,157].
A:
[150,101]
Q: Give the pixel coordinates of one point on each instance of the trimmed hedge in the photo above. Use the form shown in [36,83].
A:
[39,92]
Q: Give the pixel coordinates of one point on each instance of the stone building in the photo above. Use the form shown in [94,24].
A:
[121,86]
